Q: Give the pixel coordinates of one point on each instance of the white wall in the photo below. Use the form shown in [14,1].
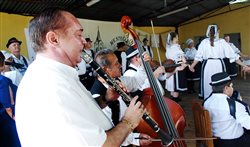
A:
[108,30]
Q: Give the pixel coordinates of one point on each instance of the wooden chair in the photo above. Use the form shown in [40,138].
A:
[202,124]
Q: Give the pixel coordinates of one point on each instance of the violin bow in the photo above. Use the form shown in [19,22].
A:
[156,45]
[185,139]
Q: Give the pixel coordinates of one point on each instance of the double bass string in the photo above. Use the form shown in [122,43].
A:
[169,124]
[166,111]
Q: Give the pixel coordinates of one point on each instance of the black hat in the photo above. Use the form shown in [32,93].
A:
[120,44]
[131,52]
[145,39]
[88,40]
[12,40]
[220,79]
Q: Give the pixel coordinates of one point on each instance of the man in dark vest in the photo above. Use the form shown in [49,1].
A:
[115,107]
[88,78]
[147,48]
[121,55]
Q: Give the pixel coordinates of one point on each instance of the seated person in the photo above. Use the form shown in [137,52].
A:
[136,69]
[115,107]
[229,117]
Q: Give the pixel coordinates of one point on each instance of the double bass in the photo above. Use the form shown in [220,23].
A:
[167,113]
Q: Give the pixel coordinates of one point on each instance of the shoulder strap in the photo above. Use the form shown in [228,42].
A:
[25,61]
[207,98]
[150,51]
[131,68]
[231,104]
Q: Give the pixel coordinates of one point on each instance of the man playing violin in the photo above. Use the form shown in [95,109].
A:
[136,69]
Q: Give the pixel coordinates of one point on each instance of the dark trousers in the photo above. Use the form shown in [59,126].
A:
[190,85]
[243,141]
[8,132]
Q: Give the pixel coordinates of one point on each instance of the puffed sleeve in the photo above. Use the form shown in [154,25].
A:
[228,51]
[200,53]
[242,116]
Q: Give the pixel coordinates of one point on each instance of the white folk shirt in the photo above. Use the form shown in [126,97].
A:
[53,109]
[21,61]
[190,53]
[174,52]
[14,75]
[220,50]
[236,50]
[141,77]
[81,67]
[223,124]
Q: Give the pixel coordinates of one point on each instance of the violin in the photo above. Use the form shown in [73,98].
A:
[168,64]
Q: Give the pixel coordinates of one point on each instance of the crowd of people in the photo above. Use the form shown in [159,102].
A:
[72,106]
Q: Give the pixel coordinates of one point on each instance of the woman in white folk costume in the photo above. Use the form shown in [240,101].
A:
[190,53]
[177,82]
[211,52]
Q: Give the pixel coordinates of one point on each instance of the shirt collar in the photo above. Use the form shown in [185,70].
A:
[60,67]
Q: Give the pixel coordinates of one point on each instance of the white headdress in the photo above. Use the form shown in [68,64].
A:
[189,41]
[216,33]
[169,42]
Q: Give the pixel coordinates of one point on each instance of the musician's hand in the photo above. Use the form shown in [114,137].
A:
[246,69]
[146,139]
[191,68]
[146,57]
[159,71]
[111,94]
[134,112]
[183,60]
[122,86]
[182,67]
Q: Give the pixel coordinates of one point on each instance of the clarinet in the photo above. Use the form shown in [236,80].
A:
[165,137]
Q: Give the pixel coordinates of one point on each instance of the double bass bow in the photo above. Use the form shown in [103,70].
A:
[165,113]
